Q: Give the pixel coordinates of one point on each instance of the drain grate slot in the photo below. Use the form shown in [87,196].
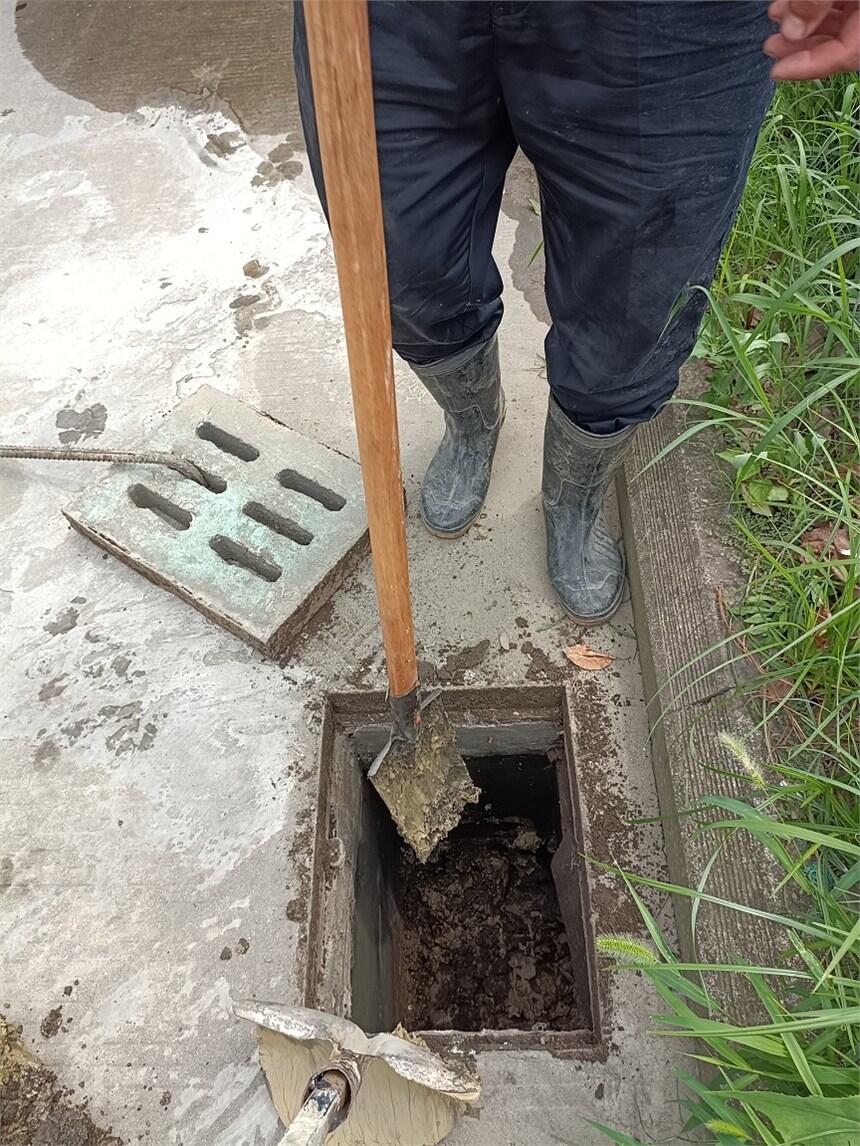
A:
[279,524]
[214,483]
[328,499]
[232,553]
[163,508]
[226,442]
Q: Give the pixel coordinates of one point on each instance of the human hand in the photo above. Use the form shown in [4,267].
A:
[817,38]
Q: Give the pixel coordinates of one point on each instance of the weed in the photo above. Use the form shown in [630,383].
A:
[783,341]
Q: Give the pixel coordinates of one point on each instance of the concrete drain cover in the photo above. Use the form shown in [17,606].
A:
[263,549]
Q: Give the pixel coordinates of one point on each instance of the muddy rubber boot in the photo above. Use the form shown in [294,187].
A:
[586,564]
[470,393]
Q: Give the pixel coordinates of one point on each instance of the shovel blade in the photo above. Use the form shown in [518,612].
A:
[424,782]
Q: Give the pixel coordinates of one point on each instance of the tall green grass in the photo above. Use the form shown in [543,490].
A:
[783,341]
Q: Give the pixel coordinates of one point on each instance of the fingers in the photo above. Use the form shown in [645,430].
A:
[778,48]
[831,42]
[777,45]
[823,56]
[798,19]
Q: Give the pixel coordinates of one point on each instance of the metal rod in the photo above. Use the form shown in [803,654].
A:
[129,457]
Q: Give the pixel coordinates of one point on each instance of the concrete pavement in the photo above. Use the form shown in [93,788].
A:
[158,776]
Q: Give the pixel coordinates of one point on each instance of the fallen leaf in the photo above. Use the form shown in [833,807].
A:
[834,545]
[585,657]
[753,318]
[777,690]
[824,540]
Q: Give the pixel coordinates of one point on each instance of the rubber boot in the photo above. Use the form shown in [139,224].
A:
[469,390]
[586,564]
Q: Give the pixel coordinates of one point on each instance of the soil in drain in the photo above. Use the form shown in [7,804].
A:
[480,942]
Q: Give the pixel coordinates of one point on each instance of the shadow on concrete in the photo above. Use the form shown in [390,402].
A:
[120,56]
[527,269]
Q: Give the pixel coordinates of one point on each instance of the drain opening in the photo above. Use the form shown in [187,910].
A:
[232,553]
[226,442]
[277,523]
[164,509]
[214,483]
[474,939]
[292,479]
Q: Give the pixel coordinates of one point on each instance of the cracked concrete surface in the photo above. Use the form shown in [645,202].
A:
[160,231]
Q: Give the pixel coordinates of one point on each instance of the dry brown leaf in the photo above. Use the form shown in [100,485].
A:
[777,690]
[824,540]
[753,318]
[585,657]
[828,544]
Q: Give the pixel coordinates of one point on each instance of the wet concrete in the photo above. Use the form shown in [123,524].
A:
[196,54]
[159,776]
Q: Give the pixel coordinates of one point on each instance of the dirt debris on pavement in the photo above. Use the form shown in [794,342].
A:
[35,1107]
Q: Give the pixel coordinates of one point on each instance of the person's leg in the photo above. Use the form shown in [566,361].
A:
[640,119]
[444,145]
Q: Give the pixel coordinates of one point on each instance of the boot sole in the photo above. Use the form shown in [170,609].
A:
[593,621]
[445,535]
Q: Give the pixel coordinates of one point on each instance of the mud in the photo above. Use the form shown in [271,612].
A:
[542,667]
[64,622]
[35,1108]
[52,1022]
[456,663]
[483,944]
[79,425]
[279,166]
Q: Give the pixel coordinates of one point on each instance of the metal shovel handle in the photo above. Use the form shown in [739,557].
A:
[317,1119]
[330,1095]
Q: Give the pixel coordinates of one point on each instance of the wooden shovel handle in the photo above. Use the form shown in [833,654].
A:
[339,49]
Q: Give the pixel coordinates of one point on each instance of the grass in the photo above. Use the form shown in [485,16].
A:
[783,339]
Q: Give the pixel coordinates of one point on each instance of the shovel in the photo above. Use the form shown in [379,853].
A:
[323,1071]
[420,774]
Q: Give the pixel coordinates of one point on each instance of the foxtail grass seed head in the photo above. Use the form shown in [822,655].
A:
[740,752]
[718,1126]
[627,949]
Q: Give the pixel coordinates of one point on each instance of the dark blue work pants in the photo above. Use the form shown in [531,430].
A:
[640,120]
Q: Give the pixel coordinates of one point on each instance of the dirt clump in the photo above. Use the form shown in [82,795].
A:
[35,1109]
[460,661]
[485,946]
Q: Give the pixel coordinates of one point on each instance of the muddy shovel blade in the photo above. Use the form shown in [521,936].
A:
[423,780]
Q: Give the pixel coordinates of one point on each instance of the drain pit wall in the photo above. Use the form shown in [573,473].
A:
[352,961]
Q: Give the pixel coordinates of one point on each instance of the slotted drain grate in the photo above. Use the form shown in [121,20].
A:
[264,547]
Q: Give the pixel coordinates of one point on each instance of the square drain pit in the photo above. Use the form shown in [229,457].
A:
[259,552]
[489,944]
